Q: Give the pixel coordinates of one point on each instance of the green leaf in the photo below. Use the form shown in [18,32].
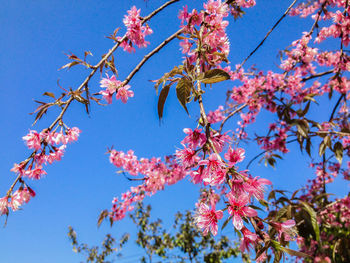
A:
[302,113]
[313,218]
[226,222]
[102,216]
[264,203]
[69,65]
[272,195]
[310,97]
[338,151]
[324,144]
[308,146]
[261,251]
[303,128]
[183,92]
[49,94]
[214,76]
[161,101]
[294,252]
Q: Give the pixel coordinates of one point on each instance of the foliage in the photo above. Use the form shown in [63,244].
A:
[183,242]
[313,70]
[93,254]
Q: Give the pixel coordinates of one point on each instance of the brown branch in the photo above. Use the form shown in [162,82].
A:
[335,107]
[84,84]
[150,54]
[230,115]
[315,24]
[317,75]
[103,60]
[267,35]
[258,155]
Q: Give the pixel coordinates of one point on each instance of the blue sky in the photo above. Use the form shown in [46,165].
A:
[35,36]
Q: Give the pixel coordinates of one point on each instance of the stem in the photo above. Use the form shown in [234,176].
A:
[230,115]
[317,75]
[84,84]
[150,54]
[267,35]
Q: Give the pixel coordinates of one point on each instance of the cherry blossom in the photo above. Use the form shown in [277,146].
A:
[238,208]
[207,219]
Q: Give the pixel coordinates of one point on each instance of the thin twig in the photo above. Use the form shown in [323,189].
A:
[317,75]
[257,156]
[335,107]
[267,35]
[149,55]
[85,82]
[230,115]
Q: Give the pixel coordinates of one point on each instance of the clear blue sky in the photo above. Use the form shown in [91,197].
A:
[35,36]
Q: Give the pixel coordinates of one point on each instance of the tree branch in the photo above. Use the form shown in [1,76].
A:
[85,83]
[267,35]
[150,54]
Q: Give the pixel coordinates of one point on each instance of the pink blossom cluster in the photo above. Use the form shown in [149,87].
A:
[48,146]
[215,171]
[246,3]
[340,28]
[112,86]
[216,116]
[155,176]
[335,216]
[18,198]
[276,141]
[305,9]
[213,38]
[136,32]
[207,170]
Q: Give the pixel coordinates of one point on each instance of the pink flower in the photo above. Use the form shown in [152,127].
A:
[183,14]
[32,140]
[107,96]
[261,258]
[117,158]
[36,173]
[18,168]
[4,203]
[214,165]
[57,155]
[20,197]
[256,187]
[219,141]
[285,229]
[136,32]
[187,156]
[216,116]
[194,138]
[237,208]
[207,219]
[111,83]
[216,178]
[234,156]
[196,176]
[186,46]
[60,138]
[248,239]
[73,134]
[123,93]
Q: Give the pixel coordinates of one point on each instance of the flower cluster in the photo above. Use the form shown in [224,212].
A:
[136,32]
[48,146]
[112,86]
[155,176]
[213,37]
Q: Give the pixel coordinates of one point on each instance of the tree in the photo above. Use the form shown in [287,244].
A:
[313,71]
[157,241]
